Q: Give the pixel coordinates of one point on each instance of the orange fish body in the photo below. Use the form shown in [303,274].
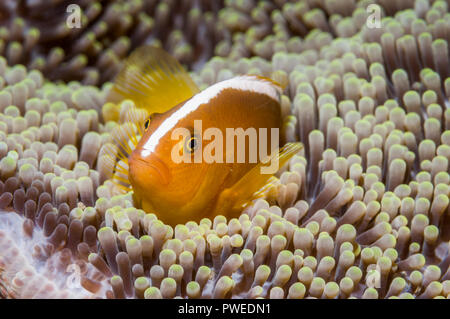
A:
[180,192]
[213,178]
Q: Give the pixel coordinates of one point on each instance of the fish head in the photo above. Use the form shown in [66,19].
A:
[165,177]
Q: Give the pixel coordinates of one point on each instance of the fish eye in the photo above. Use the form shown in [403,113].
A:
[191,144]
[146,124]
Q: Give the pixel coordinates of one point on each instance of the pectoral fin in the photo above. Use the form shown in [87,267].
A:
[254,183]
[154,80]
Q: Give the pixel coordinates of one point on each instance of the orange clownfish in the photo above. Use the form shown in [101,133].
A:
[190,162]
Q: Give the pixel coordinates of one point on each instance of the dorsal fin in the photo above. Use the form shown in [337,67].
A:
[154,80]
[275,83]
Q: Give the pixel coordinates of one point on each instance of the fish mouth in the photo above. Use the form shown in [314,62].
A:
[154,164]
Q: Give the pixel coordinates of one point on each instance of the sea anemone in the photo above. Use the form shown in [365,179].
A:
[361,212]
[88,40]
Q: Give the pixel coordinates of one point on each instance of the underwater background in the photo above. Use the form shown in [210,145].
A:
[361,212]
